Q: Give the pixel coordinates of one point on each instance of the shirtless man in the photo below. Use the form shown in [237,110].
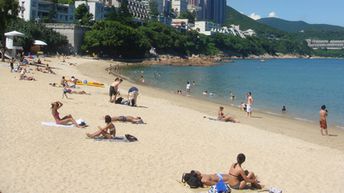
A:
[249,104]
[323,122]
[113,91]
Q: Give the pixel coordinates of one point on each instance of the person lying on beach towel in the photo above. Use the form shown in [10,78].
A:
[24,77]
[66,120]
[109,131]
[222,117]
[240,179]
[135,120]
[70,91]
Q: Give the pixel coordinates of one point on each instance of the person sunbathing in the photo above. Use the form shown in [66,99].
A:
[135,120]
[70,91]
[222,117]
[109,131]
[196,179]
[66,120]
[238,178]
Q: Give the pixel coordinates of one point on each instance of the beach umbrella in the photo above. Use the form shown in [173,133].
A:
[14,33]
[39,43]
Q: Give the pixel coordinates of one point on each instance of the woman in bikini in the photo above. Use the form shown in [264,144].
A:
[109,131]
[135,120]
[238,178]
[222,117]
[64,120]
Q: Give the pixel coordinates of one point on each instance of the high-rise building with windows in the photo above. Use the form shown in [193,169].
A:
[179,6]
[213,10]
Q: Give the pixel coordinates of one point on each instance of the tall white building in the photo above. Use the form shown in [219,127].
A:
[179,6]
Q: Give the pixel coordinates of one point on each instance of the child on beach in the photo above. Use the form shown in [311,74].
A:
[109,131]
[323,122]
[66,119]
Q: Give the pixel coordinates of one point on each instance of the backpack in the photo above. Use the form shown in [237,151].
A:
[119,100]
[192,179]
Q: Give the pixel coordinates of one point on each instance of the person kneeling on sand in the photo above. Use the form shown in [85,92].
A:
[109,131]
[222,117]
[66,119]
[135,120]
[238,178]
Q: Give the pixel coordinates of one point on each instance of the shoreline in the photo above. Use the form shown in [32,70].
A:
[175,139]
[310,129]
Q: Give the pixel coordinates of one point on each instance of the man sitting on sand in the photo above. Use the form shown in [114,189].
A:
[222,117]
[135,120]
[109,131]
[66,119]
[239,179]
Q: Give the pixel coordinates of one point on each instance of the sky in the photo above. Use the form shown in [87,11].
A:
[310,11]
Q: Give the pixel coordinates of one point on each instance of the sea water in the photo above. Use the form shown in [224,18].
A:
[302,85]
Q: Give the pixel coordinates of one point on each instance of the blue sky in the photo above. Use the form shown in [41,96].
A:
[311,11]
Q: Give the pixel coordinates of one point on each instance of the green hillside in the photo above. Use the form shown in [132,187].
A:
[245,22]
[305,30]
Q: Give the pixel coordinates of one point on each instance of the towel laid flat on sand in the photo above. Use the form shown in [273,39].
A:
[206,189]
[126,138]
[53,124]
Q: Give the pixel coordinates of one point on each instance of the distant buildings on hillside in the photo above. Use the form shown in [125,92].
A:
[325,44]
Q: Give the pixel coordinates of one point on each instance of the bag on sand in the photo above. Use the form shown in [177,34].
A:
[130,138]
[220,187]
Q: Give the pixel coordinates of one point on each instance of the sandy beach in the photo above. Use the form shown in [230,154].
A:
[284,153]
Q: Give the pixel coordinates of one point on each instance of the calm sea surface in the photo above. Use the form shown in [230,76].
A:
[302,85]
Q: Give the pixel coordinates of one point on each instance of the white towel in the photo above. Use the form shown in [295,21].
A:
[53,124]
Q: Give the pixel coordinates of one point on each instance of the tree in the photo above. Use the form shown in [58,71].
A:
[191,16]
[8,11]
[112,14]
[36,31]
[82,15]
[111,38]
[66,1]
[153,6]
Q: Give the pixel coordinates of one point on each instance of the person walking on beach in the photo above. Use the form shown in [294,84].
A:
[113,90]
[249,104]
[323,122]
[11,64]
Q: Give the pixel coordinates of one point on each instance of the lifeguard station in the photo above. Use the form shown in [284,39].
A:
[12,44]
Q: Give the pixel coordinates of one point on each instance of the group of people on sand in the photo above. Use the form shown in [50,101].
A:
[68,85]
[236,178]
[115,97]
[108,131]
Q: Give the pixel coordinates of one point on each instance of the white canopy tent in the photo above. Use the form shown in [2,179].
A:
[10,42]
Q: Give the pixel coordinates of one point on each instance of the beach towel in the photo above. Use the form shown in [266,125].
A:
[212,119]
[53,124]
[126,138]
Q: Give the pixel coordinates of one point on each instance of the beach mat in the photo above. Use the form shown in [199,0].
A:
[125,139]
[53,124]
[206,189]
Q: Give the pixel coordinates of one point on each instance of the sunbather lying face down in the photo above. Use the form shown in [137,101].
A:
[135,120]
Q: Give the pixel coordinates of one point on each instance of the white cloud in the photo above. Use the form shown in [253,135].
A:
[255,16]
[272,14]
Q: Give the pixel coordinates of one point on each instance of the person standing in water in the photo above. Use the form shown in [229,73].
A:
[188,87]
[249,104]
[323,122]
